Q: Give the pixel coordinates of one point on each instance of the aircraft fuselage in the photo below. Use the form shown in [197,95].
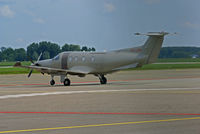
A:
[95,62]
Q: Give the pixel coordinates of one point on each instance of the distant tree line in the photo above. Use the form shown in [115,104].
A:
[48,50]
[180,52]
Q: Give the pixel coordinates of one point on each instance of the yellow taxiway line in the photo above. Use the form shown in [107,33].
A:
[99,125]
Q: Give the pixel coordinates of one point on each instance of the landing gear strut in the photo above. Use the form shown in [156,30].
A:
[102,79]
[66,82]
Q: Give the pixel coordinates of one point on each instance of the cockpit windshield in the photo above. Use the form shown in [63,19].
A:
[56,57]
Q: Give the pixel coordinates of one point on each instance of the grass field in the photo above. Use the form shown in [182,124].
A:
[13,62]
[167,66]
[178,60]
[14,71]
[145,67]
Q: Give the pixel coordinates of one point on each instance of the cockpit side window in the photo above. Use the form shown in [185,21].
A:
[56,57]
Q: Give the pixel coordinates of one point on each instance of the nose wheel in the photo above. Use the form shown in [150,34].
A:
[66,82]
[52,82]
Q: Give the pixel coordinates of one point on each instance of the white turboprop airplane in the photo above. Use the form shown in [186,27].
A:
[98,63]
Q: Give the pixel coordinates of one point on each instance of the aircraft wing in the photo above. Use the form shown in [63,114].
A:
[126,67]
[52,70]
[135,65]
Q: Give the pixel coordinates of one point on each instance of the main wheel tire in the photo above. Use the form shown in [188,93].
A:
[66,82]
[103,80]
[52,82]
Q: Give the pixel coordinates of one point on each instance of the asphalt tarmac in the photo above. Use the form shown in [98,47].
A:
[139,102]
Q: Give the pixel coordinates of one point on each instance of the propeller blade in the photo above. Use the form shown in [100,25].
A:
[39,57]
[30,73]
[30,59]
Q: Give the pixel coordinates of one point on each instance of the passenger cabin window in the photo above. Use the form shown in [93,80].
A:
[76,58]
[92,59]
[56,57]
[70,59]
[83,58]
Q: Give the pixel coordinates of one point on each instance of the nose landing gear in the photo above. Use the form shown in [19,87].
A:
[66,82]
[52,82]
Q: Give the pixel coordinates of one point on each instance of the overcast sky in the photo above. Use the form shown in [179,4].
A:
[103,24]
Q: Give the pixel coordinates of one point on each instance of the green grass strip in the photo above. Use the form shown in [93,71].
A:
[178,60]
[15,71]
[167,66]
[145,67]
[13,62]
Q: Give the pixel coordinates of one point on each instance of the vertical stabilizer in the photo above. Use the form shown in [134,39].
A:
[152,46]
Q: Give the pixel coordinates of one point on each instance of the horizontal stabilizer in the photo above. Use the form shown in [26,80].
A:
[155,33]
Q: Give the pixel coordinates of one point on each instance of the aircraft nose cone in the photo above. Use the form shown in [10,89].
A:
[44,63]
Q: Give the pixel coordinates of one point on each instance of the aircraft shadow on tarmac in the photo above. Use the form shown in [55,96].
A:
[88,84]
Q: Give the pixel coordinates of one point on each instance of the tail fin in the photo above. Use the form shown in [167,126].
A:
[152,46]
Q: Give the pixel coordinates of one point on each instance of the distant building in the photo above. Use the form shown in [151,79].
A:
[195,56]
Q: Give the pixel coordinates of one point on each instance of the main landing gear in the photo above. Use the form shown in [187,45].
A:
[66,82]
[52,82]
[102,79]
